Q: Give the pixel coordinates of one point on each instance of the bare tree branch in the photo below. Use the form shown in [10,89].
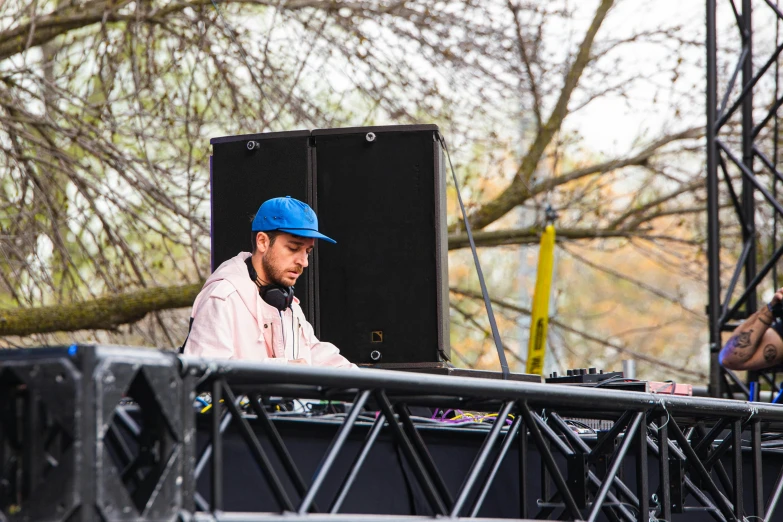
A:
[532,235]
[514,194]
[106,313]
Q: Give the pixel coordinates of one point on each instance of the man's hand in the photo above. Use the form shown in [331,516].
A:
[777,298]
[297,361]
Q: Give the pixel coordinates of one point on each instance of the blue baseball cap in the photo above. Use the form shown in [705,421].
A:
[288,215]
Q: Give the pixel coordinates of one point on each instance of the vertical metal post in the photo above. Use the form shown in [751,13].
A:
[546,490]
[664,467]
[758,480]
[642,475]
[523,464]
[748,189]
[736,468]
[775,133]
[87,408]
[713,233]
[188,437]
[217,448]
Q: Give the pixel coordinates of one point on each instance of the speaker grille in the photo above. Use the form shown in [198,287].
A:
[278,164]
[380,290]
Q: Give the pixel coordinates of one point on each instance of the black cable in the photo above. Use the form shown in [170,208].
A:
[487,303]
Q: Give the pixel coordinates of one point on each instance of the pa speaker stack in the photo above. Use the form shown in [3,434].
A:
[380,294]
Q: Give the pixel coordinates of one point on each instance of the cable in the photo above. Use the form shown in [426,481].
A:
[294,350]
[673,385]
[610,380]
[490,314]
[282,330]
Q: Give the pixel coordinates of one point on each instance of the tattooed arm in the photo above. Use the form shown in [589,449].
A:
[754,345]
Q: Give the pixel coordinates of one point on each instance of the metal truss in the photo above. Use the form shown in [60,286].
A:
[756,201]
[686,453]
[111,433]
[90,433]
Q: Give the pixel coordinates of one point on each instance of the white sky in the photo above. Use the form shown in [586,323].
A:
[610,124]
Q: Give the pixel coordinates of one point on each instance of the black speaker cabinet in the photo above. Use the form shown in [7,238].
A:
[246,171]
[382,293]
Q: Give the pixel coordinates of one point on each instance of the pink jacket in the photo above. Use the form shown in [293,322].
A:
[231,321]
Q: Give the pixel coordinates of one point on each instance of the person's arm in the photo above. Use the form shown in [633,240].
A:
[327,354]
[321,353]
[754,345]
[212,334]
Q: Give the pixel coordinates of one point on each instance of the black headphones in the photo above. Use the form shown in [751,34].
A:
[281,297]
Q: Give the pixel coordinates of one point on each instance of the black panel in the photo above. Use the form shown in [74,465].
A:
[452,450]
[242,179]
[382,287]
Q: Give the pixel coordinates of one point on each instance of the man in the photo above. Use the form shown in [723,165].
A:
[758,342]
[247,308]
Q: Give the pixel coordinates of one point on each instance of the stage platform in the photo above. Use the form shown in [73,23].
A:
[386,485]
[116,433]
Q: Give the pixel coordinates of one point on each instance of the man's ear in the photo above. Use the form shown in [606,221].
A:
[262,242]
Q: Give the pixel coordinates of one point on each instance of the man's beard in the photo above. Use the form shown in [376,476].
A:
[275,274]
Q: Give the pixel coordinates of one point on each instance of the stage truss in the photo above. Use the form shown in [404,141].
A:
[742,149]
[74,446]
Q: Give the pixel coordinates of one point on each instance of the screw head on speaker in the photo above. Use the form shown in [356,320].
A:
[375,355]
[253,145]
[370,137]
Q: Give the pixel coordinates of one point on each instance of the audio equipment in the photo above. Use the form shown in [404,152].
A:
[281,297]
[593,378]
[380,294]
[382,290]
[247,170]
[583,376]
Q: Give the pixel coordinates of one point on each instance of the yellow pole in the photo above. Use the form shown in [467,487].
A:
[536,348]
